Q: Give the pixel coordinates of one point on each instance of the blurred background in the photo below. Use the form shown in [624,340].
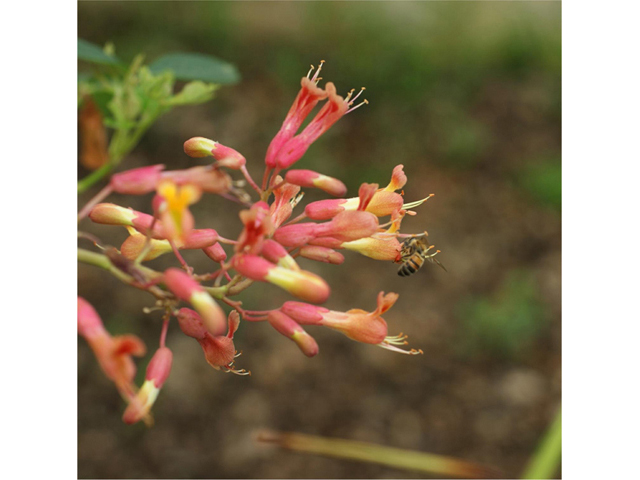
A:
[467,96]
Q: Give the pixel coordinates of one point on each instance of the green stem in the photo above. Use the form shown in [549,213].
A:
[102,261]
[546,459]
[94,177]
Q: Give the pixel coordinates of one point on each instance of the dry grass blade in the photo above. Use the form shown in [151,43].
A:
[372,453]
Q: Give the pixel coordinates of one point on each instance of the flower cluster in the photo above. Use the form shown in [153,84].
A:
[265,251]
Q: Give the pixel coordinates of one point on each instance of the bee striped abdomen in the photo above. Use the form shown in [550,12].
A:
[411,266]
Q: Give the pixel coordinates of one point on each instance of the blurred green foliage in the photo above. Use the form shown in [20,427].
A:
[505,323]
[434,83]
[132,98]
[543,180]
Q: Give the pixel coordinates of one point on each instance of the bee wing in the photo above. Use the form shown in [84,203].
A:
[435,260]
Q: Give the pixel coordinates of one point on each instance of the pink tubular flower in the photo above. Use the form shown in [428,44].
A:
[377,247]
[380,246]
[137,181]
[308,97]
[113,353]
[358,325]
[186,288]
[321,254]
[257,225]
[365,327]
[219,350]
[383,202]
[344,227]
[291,329]
[157,373]
[311,179]
[286,197]
[330,113]
[300,283]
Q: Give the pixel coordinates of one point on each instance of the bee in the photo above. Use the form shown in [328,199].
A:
[415,250]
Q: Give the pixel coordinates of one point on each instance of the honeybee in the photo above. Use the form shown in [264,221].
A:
[415,250]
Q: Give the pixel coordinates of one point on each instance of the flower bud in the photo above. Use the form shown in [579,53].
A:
[186,288]
[137,181]
[296,235]
[199,147]
[216,253]
[200,238]
[304,313]
[302,284]
[191,323]
[228,157]
[311,179]
[326,242]
[205,178]
[327,209]
[321,254]
[110,214]
[157,373]
[276,253]
[159,367]
[290,329]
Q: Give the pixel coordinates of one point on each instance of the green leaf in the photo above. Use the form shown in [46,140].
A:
[546,459]
[90,52]
[193,66]
[194,93]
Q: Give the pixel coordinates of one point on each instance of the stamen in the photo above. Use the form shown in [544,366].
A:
[241,372]
[295,200]
[397,340]
[365,101]
[315,77]
[416,203]
[392,348]
[362,89]
[348,97]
